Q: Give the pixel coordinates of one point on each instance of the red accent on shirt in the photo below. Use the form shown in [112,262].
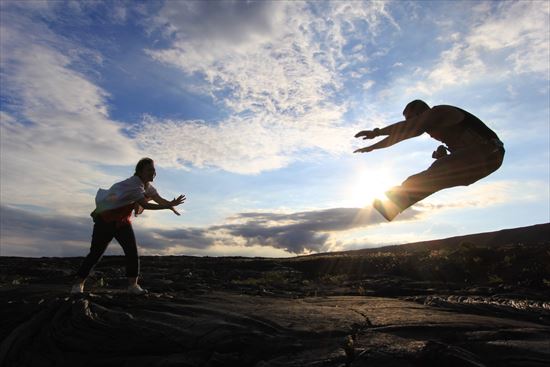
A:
[119,215]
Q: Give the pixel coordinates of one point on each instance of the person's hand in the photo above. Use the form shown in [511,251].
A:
[440,152]
[368,134]
[177,201]
[364,150]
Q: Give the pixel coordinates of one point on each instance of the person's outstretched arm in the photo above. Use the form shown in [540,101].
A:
[381,144]
[397,132]
[176,201]
[388,130]
[167,205]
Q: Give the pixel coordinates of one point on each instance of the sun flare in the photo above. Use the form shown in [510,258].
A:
[368,186]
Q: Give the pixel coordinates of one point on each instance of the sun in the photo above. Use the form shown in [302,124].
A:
[367,186]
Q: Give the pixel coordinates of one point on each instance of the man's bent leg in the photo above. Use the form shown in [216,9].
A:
[458,169]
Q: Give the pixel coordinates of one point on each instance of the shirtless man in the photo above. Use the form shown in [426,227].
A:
[471,151]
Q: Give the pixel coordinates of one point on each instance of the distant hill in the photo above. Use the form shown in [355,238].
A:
[539,233]
[510,257]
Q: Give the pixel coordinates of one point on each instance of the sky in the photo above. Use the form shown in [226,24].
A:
[250,110]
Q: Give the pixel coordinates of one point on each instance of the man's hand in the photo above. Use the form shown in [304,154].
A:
[368,134]
[440,152]
[364,150]
[175,202]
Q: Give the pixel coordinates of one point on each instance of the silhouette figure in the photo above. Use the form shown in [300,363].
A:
[112,219]
[470,152]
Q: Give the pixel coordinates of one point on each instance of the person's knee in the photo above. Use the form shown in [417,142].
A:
[130,251]
[467,183]
[494,164]
[416,179]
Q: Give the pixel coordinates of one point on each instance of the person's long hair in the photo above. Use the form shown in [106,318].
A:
[142,163]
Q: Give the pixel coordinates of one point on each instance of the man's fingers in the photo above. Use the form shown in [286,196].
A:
[179,200]
[363,150]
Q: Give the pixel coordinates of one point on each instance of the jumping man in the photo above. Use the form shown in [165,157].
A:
[470,152]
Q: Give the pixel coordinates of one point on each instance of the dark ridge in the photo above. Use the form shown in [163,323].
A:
[538,233]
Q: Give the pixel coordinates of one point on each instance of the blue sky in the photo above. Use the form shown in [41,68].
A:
[249,109]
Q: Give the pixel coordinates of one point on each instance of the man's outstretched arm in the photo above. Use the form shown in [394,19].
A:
[163,202]
[397,132]
[381,144]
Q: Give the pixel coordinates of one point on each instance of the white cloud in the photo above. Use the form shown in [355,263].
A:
[486,194]
[56,127]
[520,27]
[368,84]
[243,145]
[278,73]
[507,41]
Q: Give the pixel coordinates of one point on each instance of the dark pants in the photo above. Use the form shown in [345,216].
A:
[460,168]
[102,235]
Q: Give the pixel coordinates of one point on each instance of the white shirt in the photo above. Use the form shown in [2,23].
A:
[123,193]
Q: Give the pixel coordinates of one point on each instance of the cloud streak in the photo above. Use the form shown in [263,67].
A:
[302,232]
[29,234]
[486,194]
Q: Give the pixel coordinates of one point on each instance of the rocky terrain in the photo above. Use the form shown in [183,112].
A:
[477,300]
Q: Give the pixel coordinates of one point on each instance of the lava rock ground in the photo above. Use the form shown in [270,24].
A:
[467,304]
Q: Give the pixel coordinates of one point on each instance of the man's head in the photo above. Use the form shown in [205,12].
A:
[415,108]
[145,170]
